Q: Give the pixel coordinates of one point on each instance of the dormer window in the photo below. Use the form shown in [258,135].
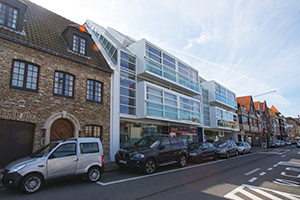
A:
[12,14]
[79,44]
[76,40]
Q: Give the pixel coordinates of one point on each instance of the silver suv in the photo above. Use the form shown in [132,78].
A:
[67,158]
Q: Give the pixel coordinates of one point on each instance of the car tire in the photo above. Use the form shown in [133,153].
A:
[199,159]
[244,152]
[93,174]
[31,183]
[227,155]
[149,166]
[215,157]
[250,151]
[182,161]
[236,153]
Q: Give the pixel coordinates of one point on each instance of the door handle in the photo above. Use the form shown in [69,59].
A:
[75,159]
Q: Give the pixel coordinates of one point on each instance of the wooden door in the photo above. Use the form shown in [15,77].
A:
[16,140]
[61,129]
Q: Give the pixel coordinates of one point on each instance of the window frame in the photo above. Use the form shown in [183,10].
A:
[94,91]
[93,131]
[64,84]
[25,76]
[78,46]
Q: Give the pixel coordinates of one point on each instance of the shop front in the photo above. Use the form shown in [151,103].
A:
[131,132]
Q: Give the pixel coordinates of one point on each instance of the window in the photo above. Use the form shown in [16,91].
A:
[94,91]
[166,143]
[79,44]
[8,16]
[93,131]
[63,84]
[65,150]
[24,76]
[86,148]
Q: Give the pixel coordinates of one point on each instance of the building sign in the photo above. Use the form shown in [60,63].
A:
[180,129]
[200,134]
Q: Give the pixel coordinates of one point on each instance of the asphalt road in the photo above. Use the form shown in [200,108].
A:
[273,174]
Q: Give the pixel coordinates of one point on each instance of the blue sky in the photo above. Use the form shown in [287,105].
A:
[249,46]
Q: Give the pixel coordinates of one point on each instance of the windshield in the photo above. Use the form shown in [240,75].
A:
[220,144]
[239,144]
[192,146]
[44,150]
[149,142]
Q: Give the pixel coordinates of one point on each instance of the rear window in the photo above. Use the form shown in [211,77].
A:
[91,147]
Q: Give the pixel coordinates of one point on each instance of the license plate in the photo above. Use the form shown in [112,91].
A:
[123,162]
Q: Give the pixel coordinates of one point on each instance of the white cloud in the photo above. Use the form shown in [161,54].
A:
[204,37]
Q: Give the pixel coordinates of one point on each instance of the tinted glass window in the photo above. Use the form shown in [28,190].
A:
[205,146]
[174,142]
[65,150]
[166,143]
[89,148]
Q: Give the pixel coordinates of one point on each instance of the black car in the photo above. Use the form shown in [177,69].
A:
[151,152]
[200,152]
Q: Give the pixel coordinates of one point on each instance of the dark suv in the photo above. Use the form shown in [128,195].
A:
[151,152]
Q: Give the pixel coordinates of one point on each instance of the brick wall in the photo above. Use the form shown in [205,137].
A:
[38,107]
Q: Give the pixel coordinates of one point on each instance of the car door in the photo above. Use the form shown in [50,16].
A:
[63,161]
[175,149]
[211,150]
[231,147]
[164,155]
[205,151]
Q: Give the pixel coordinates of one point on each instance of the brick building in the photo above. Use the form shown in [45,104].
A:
[54,84]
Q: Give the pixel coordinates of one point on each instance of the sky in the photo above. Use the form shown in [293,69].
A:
[251,47]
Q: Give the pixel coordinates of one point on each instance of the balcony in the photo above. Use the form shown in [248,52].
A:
[228,124]
[225,100]
[170,77]
[167,112]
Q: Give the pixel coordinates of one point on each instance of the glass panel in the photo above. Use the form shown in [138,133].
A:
[154,98]
[154,91]
[127,57]
[153,50]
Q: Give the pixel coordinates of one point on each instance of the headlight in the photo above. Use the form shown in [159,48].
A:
[223,150]
[138,156]
[17,168]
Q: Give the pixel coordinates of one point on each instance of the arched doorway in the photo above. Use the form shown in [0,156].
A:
[61,129]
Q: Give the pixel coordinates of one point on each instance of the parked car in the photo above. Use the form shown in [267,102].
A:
[226,148]
[200,152]
[272,144]
[73,157]
[288,143]
[244,147]
[298,144]
[151,152]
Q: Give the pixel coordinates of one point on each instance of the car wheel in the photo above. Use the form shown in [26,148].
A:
[93,174]
[31,183]
[199,159]
[250,151]
[227,155]
[236,153]
[244,152]
[182,161]
[215,157]
[149,166]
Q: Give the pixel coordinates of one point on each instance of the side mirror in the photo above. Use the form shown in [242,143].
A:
[52,156]
[161,147]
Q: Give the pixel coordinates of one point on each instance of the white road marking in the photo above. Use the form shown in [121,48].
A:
[283,156]
[286,182]
[252,179]
[292,164]
[269,169]
[263,173]
[291,176]
[265,193]
[252,171]
[292,169]
[275,165]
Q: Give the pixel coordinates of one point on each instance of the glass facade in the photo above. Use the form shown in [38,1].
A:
[206,111]
[127,84]
[169,68]
[227,119]
[131,132]
[162,103]
[225,96]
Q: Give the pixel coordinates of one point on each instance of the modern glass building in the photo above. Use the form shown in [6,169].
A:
[153,92]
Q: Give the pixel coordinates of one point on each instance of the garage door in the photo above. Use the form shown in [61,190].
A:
[16,140]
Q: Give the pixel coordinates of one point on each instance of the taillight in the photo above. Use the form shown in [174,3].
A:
[102,160]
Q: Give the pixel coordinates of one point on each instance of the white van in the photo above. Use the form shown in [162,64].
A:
[60,159]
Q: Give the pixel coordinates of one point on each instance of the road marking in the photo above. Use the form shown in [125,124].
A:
[159,173]
[252,171]
[287,182]
[275,165]
[278,152]
[292,164]
[292,169]
[269,169]
[291,176]
[252,179]
[263,173]
[265,193]
[282,156]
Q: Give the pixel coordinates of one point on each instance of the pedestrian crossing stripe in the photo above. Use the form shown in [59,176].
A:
[264,193]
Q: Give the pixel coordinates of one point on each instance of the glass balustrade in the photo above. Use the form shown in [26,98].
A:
[171,75]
